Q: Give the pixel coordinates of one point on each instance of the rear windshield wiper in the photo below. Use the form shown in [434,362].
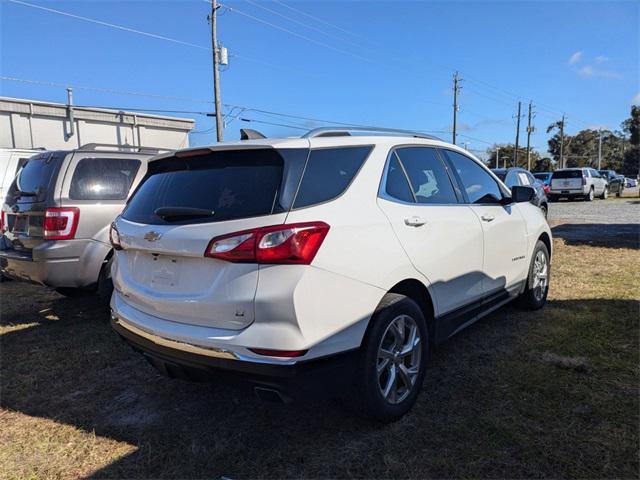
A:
[175,212]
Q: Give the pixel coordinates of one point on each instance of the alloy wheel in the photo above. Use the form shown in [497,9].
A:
[540,275]
[399,358]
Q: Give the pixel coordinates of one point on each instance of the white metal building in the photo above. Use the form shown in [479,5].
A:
[34,124]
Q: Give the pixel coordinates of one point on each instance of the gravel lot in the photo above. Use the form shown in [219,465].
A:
[613,210]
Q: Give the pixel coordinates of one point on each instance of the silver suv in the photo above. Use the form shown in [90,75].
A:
[56,216]
[584,183]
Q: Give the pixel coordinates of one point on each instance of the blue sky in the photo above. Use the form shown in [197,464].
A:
[373,63]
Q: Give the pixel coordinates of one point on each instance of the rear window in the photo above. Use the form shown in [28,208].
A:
[568,174]
[231,184]
[34,178]
[328,173]
[103,178]
[541,176]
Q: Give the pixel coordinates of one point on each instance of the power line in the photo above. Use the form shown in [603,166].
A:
[295,34]
[306,25]
[106,24]
[317,19]
[103,90]
[272,123]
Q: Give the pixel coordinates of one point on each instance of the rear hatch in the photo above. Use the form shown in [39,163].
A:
[567,180]
[26,201]
[180,206]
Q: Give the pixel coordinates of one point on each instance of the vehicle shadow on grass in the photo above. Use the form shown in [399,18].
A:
[611,235]
[478,415]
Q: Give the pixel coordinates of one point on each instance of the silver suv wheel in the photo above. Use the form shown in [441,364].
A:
[398,359]
[540,275]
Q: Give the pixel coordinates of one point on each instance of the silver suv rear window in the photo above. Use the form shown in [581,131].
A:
[103,178]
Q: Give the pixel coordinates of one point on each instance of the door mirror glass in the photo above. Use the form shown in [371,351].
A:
[521,194]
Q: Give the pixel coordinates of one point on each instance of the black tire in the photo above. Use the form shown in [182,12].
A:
[531,298]
[605,194]
[366,396]
[105,283]
[73,292]
[545,209]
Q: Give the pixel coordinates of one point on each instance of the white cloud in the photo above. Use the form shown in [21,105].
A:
[601,59]
[575,58]
[636,100]
[591,71]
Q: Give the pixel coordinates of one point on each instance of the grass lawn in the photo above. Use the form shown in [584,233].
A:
[555,393]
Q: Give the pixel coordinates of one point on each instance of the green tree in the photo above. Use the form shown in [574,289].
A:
[543,165]
[631,126]
[581,149]
[631,163]
[507,151]
[631,160]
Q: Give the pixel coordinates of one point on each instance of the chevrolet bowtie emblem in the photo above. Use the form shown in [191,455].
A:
[152,236]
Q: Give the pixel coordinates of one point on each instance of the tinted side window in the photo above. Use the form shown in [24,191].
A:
[479,186]
[511,180]
[429,179]
[328,173]
[103,178]
[397,185]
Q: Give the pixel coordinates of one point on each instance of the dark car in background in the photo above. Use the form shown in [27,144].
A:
[616,182]
[521,177]
[544,177]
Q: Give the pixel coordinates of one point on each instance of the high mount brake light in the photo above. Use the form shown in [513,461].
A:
[114,237]
[296,243]
[60,223]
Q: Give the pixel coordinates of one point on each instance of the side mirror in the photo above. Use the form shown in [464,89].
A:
[521,194]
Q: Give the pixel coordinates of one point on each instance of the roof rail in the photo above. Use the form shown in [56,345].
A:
[130,148]
[345,132]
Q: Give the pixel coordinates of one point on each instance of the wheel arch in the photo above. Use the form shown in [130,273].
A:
[544,238]
[419,293]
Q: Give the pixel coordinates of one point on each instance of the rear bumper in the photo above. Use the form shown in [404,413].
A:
[579,192]
[325,377]
[72,263]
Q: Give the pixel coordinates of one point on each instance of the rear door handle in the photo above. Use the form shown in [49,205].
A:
[414,221]
[487,218]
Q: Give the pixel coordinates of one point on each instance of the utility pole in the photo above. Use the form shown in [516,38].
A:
[497,157]
[456,88]
[599,148]
[515,153]
[216,73]
[530,130]
[562,142]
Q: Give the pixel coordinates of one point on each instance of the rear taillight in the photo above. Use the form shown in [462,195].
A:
[114,237]
[296,243]
[584,180]
[3,222]
[60,223]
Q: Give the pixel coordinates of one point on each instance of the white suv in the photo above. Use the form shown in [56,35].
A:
[330,263]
